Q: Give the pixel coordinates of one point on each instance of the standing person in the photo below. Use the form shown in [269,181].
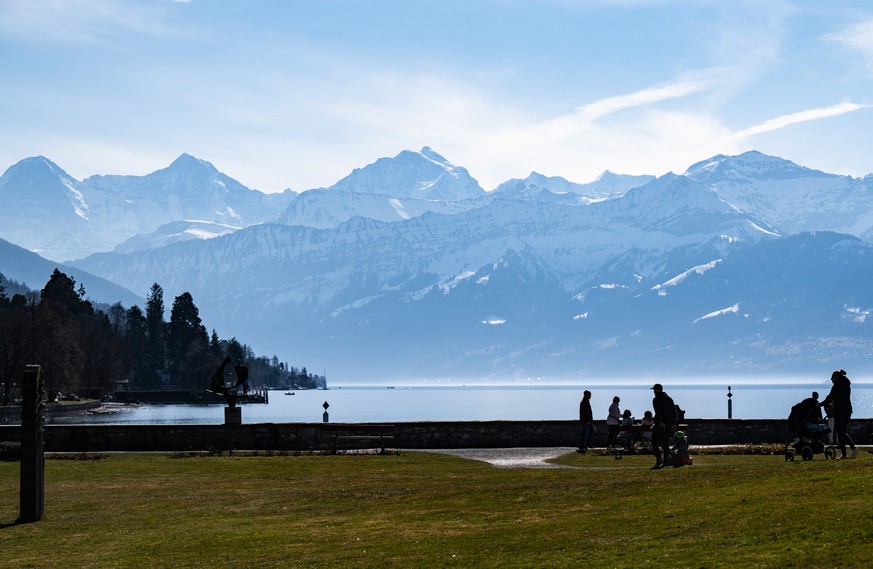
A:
[613,421]
[586,417]
[839,405]
[665,421]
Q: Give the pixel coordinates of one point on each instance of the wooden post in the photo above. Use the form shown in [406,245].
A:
[32,481]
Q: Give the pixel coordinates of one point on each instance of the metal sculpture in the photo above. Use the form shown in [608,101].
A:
[230,394]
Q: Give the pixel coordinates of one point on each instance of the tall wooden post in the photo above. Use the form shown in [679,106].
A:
[32,486]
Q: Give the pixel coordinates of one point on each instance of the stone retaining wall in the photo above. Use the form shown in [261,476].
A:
[418,435]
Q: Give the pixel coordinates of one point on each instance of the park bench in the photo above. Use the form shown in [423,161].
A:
[348,437]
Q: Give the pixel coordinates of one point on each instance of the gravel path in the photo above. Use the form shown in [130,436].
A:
[511,457]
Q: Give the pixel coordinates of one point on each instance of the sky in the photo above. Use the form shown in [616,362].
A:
[296,93]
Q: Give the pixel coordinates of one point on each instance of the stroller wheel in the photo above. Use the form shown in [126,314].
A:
[807,453]
[830,453]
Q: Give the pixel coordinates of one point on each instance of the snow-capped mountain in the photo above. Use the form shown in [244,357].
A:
[788,196]
[61,218]
[423,175]
[329,208]
[175,232]
[407,269]
[381,280]
[45,209]
[606,186]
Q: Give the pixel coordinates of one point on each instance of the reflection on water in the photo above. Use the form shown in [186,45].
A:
[459,403]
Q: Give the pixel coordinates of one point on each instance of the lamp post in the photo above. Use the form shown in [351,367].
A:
[730,404]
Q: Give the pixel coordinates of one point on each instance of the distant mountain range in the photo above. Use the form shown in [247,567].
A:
[408,269]
[61,218]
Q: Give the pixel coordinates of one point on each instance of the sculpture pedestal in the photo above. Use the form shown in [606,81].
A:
[232,416]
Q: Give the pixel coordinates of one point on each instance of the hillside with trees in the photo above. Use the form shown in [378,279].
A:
[87,350]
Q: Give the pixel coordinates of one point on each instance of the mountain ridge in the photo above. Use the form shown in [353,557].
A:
[741,264]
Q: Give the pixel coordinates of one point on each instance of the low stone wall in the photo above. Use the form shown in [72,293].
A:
[418,435]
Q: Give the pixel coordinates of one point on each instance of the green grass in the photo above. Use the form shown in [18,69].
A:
[424,510]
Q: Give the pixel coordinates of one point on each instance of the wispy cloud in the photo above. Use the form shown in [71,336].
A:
[799,117]
[78,21]
[631,133]
[677,89]
[858,39]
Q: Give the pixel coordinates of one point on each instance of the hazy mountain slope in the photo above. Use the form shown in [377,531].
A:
[355,285]
[174,232]
[34,271]
[329,208]
[606,186]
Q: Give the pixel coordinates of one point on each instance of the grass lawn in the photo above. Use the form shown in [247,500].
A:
[427,510]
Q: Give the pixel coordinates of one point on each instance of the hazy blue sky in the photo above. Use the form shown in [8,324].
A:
[295,94]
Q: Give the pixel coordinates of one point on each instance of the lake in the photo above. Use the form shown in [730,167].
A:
[486,403]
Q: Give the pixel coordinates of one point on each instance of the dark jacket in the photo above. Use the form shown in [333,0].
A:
[840,396]
[665,409]
[806,410]
[585,413]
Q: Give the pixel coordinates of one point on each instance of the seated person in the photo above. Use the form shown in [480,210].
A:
[647,423]
[808,414]
[681,457]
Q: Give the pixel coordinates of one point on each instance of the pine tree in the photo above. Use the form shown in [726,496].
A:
[137,341]
[184,332]
[156,328]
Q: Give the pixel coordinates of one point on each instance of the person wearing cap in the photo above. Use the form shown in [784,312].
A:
[665,422]
[586,417]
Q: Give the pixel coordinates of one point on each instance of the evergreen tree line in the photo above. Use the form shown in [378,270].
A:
[84,350]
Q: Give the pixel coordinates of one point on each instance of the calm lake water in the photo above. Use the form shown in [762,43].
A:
[466,403]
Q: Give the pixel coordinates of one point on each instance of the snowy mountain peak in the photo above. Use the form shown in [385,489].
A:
[35,168]
[747,166]
[424,175]
[429,153]
[606,186]
[38,182]
[605,176]
[187,164]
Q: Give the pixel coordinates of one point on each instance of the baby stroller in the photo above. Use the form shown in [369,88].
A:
[808,432]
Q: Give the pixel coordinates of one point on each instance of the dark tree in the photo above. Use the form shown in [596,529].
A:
[199,365]
[117,318]
[235,351]
[16,324]
[156,327]
[184,330]
[215,346]
[136,340]
[84,351]
[61,320]
[60,292]
[104,361]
